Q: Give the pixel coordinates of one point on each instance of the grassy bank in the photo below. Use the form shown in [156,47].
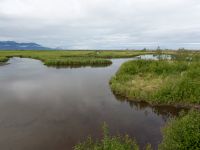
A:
[160,82]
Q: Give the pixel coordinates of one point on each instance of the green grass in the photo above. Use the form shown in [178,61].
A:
[3,59]
[72,58]
[182,133]
[160,82]
[78,61]
[76,53]
[60,58]
[81,57]
[109,142]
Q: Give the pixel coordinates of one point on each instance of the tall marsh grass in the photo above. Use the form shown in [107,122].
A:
[160,82]
[77,61]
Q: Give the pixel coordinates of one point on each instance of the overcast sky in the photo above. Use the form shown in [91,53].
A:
[102,24]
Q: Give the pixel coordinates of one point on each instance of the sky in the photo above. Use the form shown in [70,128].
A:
[102,24]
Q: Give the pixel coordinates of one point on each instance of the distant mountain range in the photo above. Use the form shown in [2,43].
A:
[12,45]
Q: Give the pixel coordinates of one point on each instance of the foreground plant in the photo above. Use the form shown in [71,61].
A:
[182,133]
[109,143]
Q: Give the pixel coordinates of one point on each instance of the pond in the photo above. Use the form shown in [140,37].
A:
[54,109]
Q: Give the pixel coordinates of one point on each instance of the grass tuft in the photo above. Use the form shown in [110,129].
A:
[109,142]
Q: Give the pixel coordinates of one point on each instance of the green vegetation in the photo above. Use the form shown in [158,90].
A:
[81,57]
[71,58]
[160,82]
[76,53]
[83,61]
[109,143]
[182,133]
[3,59]
[175,81]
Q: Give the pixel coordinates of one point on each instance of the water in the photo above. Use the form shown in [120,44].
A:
[155,57]
[53,109]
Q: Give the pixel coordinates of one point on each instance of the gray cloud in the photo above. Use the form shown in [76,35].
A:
[102,24]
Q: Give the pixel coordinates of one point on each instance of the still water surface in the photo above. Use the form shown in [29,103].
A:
[45,108]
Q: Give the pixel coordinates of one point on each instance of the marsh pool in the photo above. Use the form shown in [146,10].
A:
[44,108]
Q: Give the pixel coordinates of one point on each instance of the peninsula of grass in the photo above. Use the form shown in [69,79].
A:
[160,82]
[77,53]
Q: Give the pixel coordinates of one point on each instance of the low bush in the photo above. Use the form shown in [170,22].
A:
[182,133]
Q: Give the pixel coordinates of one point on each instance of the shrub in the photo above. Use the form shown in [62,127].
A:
[182,133]
[109,143]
